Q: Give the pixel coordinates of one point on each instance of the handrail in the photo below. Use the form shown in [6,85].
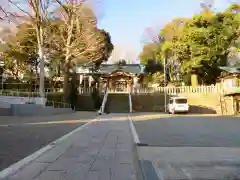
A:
[130,102]
[104,102]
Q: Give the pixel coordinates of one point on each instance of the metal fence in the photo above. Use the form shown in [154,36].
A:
[58,104]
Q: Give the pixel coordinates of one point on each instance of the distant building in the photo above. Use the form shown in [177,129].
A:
[117,77]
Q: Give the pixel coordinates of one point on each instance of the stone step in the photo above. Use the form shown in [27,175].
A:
[117,103]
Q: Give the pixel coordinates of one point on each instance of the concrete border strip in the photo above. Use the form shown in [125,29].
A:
[135,142]
[149,171]
[133,130]
[12,169]
[159,174]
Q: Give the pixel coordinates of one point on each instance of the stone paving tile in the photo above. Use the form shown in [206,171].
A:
[111,140]
[169,173]
[92,151]
[96,175]
[75,151]
[77,173]
[124,172]
[81,159]
[51,175]
[104,174]
[102,164]
[64,164]
[123,156]
[30,171]
[86,159]
[107,152]
[52,155]
[212,173]
[92,175]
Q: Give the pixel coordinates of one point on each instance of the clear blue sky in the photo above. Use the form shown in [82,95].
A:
[126,20]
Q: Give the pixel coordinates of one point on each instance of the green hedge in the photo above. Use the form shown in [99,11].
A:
[57,97]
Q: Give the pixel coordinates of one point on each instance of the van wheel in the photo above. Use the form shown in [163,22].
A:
[168,111]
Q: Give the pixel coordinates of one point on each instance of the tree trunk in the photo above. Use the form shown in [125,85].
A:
[1,75]
[74,92]
[39,33]
[31,80]
[66,74]
[194,80]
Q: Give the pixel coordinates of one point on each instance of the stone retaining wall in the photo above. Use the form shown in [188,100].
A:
[200,103]
[32,110]
[36,110]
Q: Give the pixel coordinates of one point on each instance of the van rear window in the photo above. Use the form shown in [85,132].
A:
[181,101]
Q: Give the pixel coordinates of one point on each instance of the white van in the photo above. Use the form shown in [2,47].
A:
[178,104]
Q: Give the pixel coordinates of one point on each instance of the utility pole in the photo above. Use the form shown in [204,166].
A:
[165,82]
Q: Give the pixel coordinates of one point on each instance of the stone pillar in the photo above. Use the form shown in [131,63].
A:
[135,83]
[233,105]
[90,80]
[80,83]
[84,83]
[80,79]
[110,84]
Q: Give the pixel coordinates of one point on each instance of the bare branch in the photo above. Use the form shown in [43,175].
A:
[18,7]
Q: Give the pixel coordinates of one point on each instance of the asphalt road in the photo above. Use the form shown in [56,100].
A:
[190,147]
[190,131]
[21,139]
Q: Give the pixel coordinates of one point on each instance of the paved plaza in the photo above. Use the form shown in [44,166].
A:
[178,147]
[102,149]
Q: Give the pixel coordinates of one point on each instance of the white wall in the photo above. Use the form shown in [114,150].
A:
[19,100]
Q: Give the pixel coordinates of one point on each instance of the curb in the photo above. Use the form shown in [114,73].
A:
[12,169]
[134,134]
[133,131]
[149,171]
[137,163]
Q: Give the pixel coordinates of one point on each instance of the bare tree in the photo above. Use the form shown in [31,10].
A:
[80,39]
[35,12]
[84,43]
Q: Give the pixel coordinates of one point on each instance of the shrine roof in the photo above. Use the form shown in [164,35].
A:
[231,69]
[111,68]
[232,91]
[128,68]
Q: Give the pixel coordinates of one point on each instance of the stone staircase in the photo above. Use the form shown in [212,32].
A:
[117,103]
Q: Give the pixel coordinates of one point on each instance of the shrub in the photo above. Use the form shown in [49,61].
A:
[30,102]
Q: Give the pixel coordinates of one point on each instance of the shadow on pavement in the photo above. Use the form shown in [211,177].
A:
[83,115]
[202,110]
[185,131]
